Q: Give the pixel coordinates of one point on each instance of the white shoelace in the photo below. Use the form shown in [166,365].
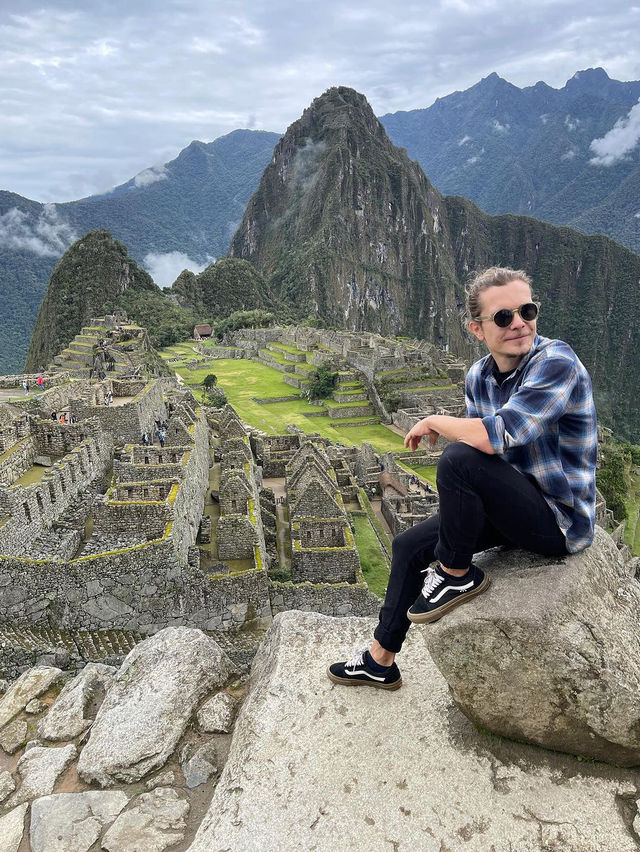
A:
[431,583]
[356,660]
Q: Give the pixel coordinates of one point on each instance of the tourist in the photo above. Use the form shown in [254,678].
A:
[54,416]
[25,386]
[40,382]
[520,471]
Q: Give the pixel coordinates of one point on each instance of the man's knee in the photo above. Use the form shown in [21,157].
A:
[457,458]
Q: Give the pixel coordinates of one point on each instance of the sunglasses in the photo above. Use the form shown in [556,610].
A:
[504,317]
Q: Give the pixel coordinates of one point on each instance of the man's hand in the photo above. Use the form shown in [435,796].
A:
[469,430]
[417,432]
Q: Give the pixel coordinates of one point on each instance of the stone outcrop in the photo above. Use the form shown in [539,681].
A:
[66,718]
[12,828]
[72,822]
[39,769]
[550,654]
[156,820]
[31,684]
[150,703]
[319,765]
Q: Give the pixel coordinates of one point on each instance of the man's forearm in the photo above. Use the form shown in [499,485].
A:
[469,430]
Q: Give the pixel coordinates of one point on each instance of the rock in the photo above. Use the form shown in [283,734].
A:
[65,720]
[150,703]
[550,654]
[13,735]
[199,764]
[32,744]
[72,822]
[29,685]
[12,829]
[35,706]
[216,715]
[156,820]
[59,657]
[39,769]
[315,764]
[7,784]
[163,779]
[4,685]
[45,461]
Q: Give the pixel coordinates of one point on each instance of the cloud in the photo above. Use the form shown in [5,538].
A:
[571,123]
[569,155]
[165,268]
[499,128]
[464,140]
[149,176]
[47,236]
[619,141]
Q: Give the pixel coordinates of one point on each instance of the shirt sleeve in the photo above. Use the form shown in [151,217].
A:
[538,403]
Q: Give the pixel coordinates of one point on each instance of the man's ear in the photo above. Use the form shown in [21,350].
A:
[476,329]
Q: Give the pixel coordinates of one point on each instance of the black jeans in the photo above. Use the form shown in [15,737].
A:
[484,502]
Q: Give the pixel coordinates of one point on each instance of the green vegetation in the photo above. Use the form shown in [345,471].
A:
[427,473]
[321,383]
[613,477]
[243,381]
[375,565]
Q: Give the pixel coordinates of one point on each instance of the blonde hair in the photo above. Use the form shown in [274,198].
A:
[495,276]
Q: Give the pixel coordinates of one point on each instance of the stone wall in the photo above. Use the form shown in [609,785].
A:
[17,460]
[29,511]
[126,422]
[336,600]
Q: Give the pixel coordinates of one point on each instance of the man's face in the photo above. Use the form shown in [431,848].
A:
[507,345]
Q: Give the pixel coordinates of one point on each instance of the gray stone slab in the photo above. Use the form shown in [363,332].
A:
[29,685]
[329,767]
[13,736]
[156,820]
[65,719]
[150,704]
[12,829]
[72,822]
[39,769]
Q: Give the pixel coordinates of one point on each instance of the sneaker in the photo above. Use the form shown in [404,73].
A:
[356,672]
[442,592]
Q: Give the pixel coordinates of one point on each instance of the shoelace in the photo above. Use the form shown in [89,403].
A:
[356,660]
[431,583]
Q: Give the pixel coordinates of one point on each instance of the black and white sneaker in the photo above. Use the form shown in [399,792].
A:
[443,592]
[356,672]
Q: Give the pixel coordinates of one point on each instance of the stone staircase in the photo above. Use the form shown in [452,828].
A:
[77,358]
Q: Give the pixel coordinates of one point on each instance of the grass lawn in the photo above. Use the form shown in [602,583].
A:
[427,473]
[375,566]
[632,526]
[242,380]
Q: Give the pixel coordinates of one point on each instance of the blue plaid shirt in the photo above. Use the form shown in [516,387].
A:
[542,420]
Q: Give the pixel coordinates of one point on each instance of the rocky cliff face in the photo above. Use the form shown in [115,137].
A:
[92,274]
[223,287]
[345,226]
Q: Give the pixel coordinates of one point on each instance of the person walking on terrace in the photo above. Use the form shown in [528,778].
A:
[519,470]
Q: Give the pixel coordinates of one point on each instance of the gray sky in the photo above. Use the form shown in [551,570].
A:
[93,92]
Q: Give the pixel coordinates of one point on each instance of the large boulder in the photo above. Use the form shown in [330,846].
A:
[72,822]
[149,704]
[66,720]
[550,654]
[324,766]
[29,685]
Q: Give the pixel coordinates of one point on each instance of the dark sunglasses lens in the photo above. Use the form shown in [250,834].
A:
[529,311]
[503,318]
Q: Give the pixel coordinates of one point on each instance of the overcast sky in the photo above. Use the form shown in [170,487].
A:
[93,92]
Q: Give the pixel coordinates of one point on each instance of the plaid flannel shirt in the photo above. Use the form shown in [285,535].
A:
[542,420]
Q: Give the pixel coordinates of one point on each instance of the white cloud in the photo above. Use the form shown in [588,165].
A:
[569,155]
[47,236]
[619,141]
[571,123]
[499,128]
[472,160]
[544,118]
[149,176]
[464,140]
[165,268]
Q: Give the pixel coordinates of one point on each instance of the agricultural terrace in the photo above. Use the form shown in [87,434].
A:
[246,381]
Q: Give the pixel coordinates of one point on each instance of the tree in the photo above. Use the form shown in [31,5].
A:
[210,380]
[215,397]
[321,383]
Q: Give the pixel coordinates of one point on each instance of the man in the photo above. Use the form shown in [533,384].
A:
[519,470]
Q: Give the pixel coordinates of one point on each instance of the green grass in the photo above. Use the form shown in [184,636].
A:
[375,566]
[427,473]
[242,379]
[287,348]
[632,526]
